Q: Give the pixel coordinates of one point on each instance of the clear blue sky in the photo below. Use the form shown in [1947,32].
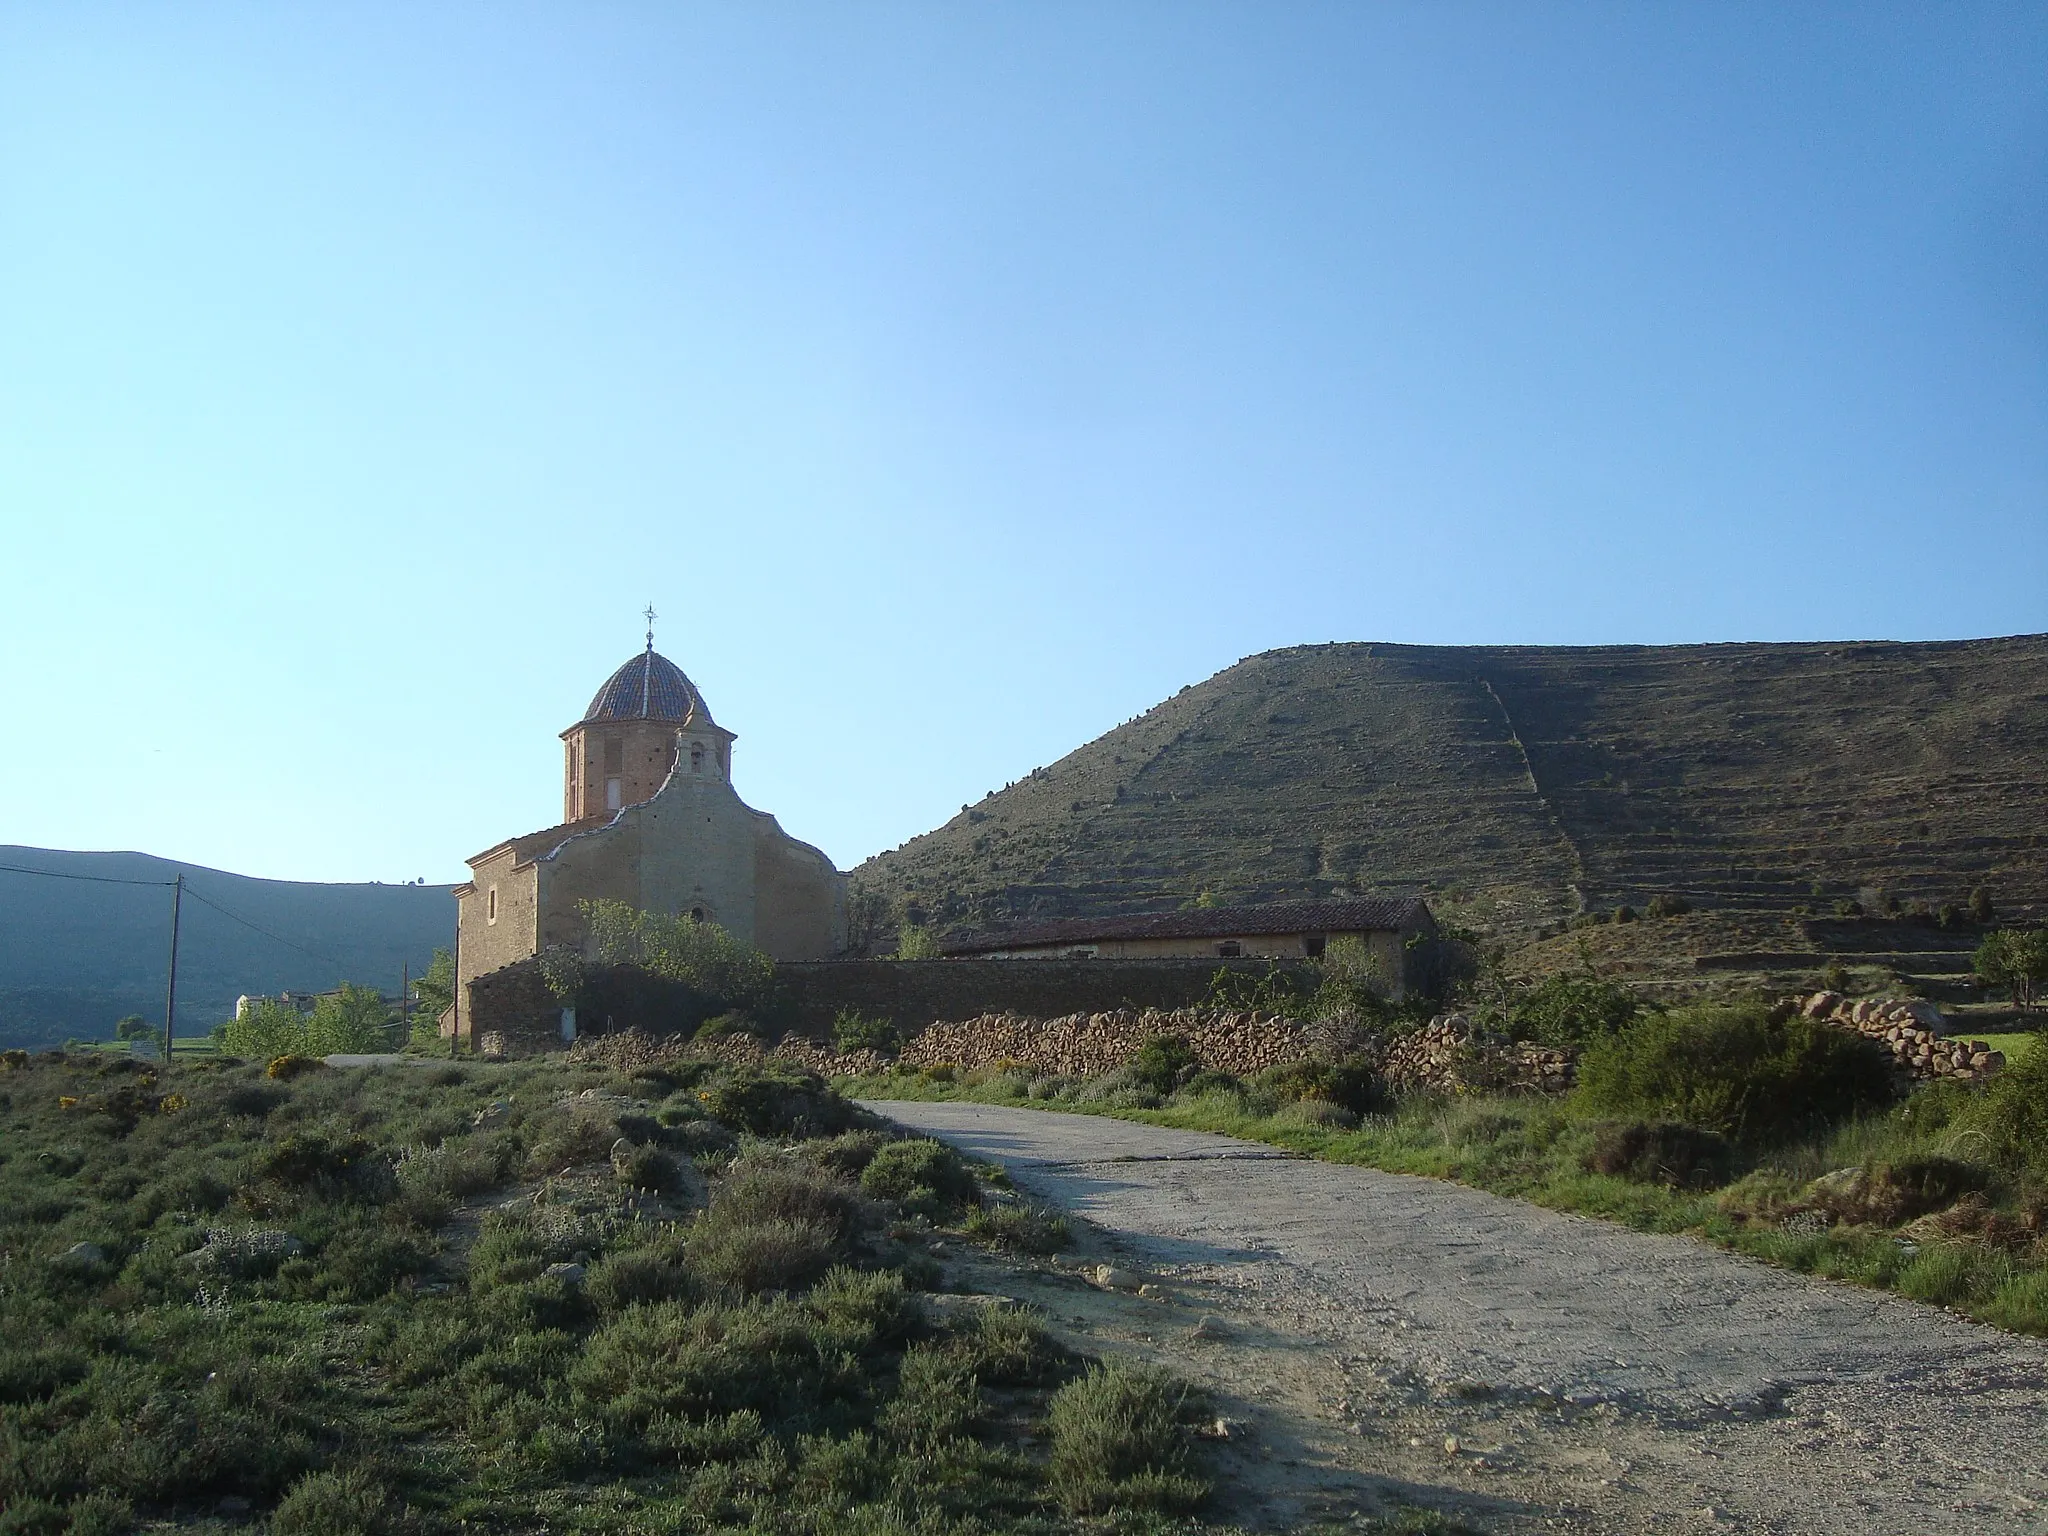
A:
[957,380]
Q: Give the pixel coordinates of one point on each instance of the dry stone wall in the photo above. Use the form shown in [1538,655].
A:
[1452,1054]
[1913,1030]
[1093,1044]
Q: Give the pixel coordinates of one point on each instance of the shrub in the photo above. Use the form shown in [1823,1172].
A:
[853,1030]
[1659,1152]
[638,1277]
[775,1103]
[919,1171]
[1665,904]
[1319,1114]
[335,1504]
[284,1068]
[1571,1011]
[786,1191]
[1737,1071]
[453,1170]
[1023,1228]
[1119,1441]
[1352,1083]
[938,1397]
[755,1256]
[697,954]
[1162,1064]
[2013,1112]
[646,1167]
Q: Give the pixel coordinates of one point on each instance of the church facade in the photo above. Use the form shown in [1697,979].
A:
[650,818]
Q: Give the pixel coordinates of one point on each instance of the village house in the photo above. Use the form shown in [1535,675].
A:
[1292,930]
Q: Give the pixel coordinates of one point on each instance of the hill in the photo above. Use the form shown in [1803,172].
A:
[79,953]
[1522,784]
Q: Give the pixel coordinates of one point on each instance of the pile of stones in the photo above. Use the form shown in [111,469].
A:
[1452,1054]
[826,1061]
[1913,1030]
[1094,1044]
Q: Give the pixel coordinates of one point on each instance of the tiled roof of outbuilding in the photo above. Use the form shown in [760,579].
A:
[1364,914]
[649,687]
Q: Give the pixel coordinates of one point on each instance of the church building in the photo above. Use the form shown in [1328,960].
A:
[650,818]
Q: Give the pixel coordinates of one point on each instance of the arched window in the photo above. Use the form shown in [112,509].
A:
[696,757]
[696,914]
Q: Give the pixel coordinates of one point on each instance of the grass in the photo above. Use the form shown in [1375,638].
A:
[428,1299]
[1991,1263]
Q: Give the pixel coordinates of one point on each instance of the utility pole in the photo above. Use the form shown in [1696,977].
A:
[404,995]
[171,989]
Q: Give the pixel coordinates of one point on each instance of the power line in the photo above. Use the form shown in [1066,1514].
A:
[58,874]
[258,928]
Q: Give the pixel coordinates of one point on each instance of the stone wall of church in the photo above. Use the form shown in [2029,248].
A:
[484,945]
[697,847]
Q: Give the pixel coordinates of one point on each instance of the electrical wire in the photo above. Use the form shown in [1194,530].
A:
[277,938]
[58,874]
[258,928]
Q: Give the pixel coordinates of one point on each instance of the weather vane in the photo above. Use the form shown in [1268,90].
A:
[650,615]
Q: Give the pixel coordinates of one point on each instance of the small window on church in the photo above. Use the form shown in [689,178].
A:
[696,914]
[696,757]
[614,794]
[491,905]
[615,756]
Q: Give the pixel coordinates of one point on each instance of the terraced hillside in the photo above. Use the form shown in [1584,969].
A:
[1527,782]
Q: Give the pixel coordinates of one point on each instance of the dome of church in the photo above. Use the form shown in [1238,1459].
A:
[649,687]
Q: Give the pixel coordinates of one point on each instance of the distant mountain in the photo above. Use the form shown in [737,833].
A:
[1521,782]
[76,955]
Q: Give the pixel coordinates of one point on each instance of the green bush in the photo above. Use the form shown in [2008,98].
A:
[638,1277]
[1658,1152]
[1353,1083]
[756,1256]
[919,1171]
[853,1030]
[786,1191]
[1022,1228]
[2012,1115]
[1120,1441]
[1568,1011]
[336,1504]
[1736,1071]
[1162,1064]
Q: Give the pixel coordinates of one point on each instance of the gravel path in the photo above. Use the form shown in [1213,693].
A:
[1638,1382]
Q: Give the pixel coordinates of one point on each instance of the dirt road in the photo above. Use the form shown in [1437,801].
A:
[1402,1339]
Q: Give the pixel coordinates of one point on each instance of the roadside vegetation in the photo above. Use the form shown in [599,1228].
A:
[672,1296]
[1772,1135]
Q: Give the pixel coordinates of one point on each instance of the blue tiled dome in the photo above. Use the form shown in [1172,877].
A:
[649,687]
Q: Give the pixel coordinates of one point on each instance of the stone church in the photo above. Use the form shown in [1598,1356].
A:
[650,818]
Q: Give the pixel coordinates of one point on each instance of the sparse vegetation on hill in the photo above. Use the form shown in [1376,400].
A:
[647,1293]
[1521,785]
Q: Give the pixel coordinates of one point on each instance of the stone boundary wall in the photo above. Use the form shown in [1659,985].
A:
[511,1011]
[919,993]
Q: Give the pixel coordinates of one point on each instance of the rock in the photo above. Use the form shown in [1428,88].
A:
[1208,1327]
[1452,1445]
[1110,1278]
[1821,1004]
[568,1274]
[492,1114]
[81,1256]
